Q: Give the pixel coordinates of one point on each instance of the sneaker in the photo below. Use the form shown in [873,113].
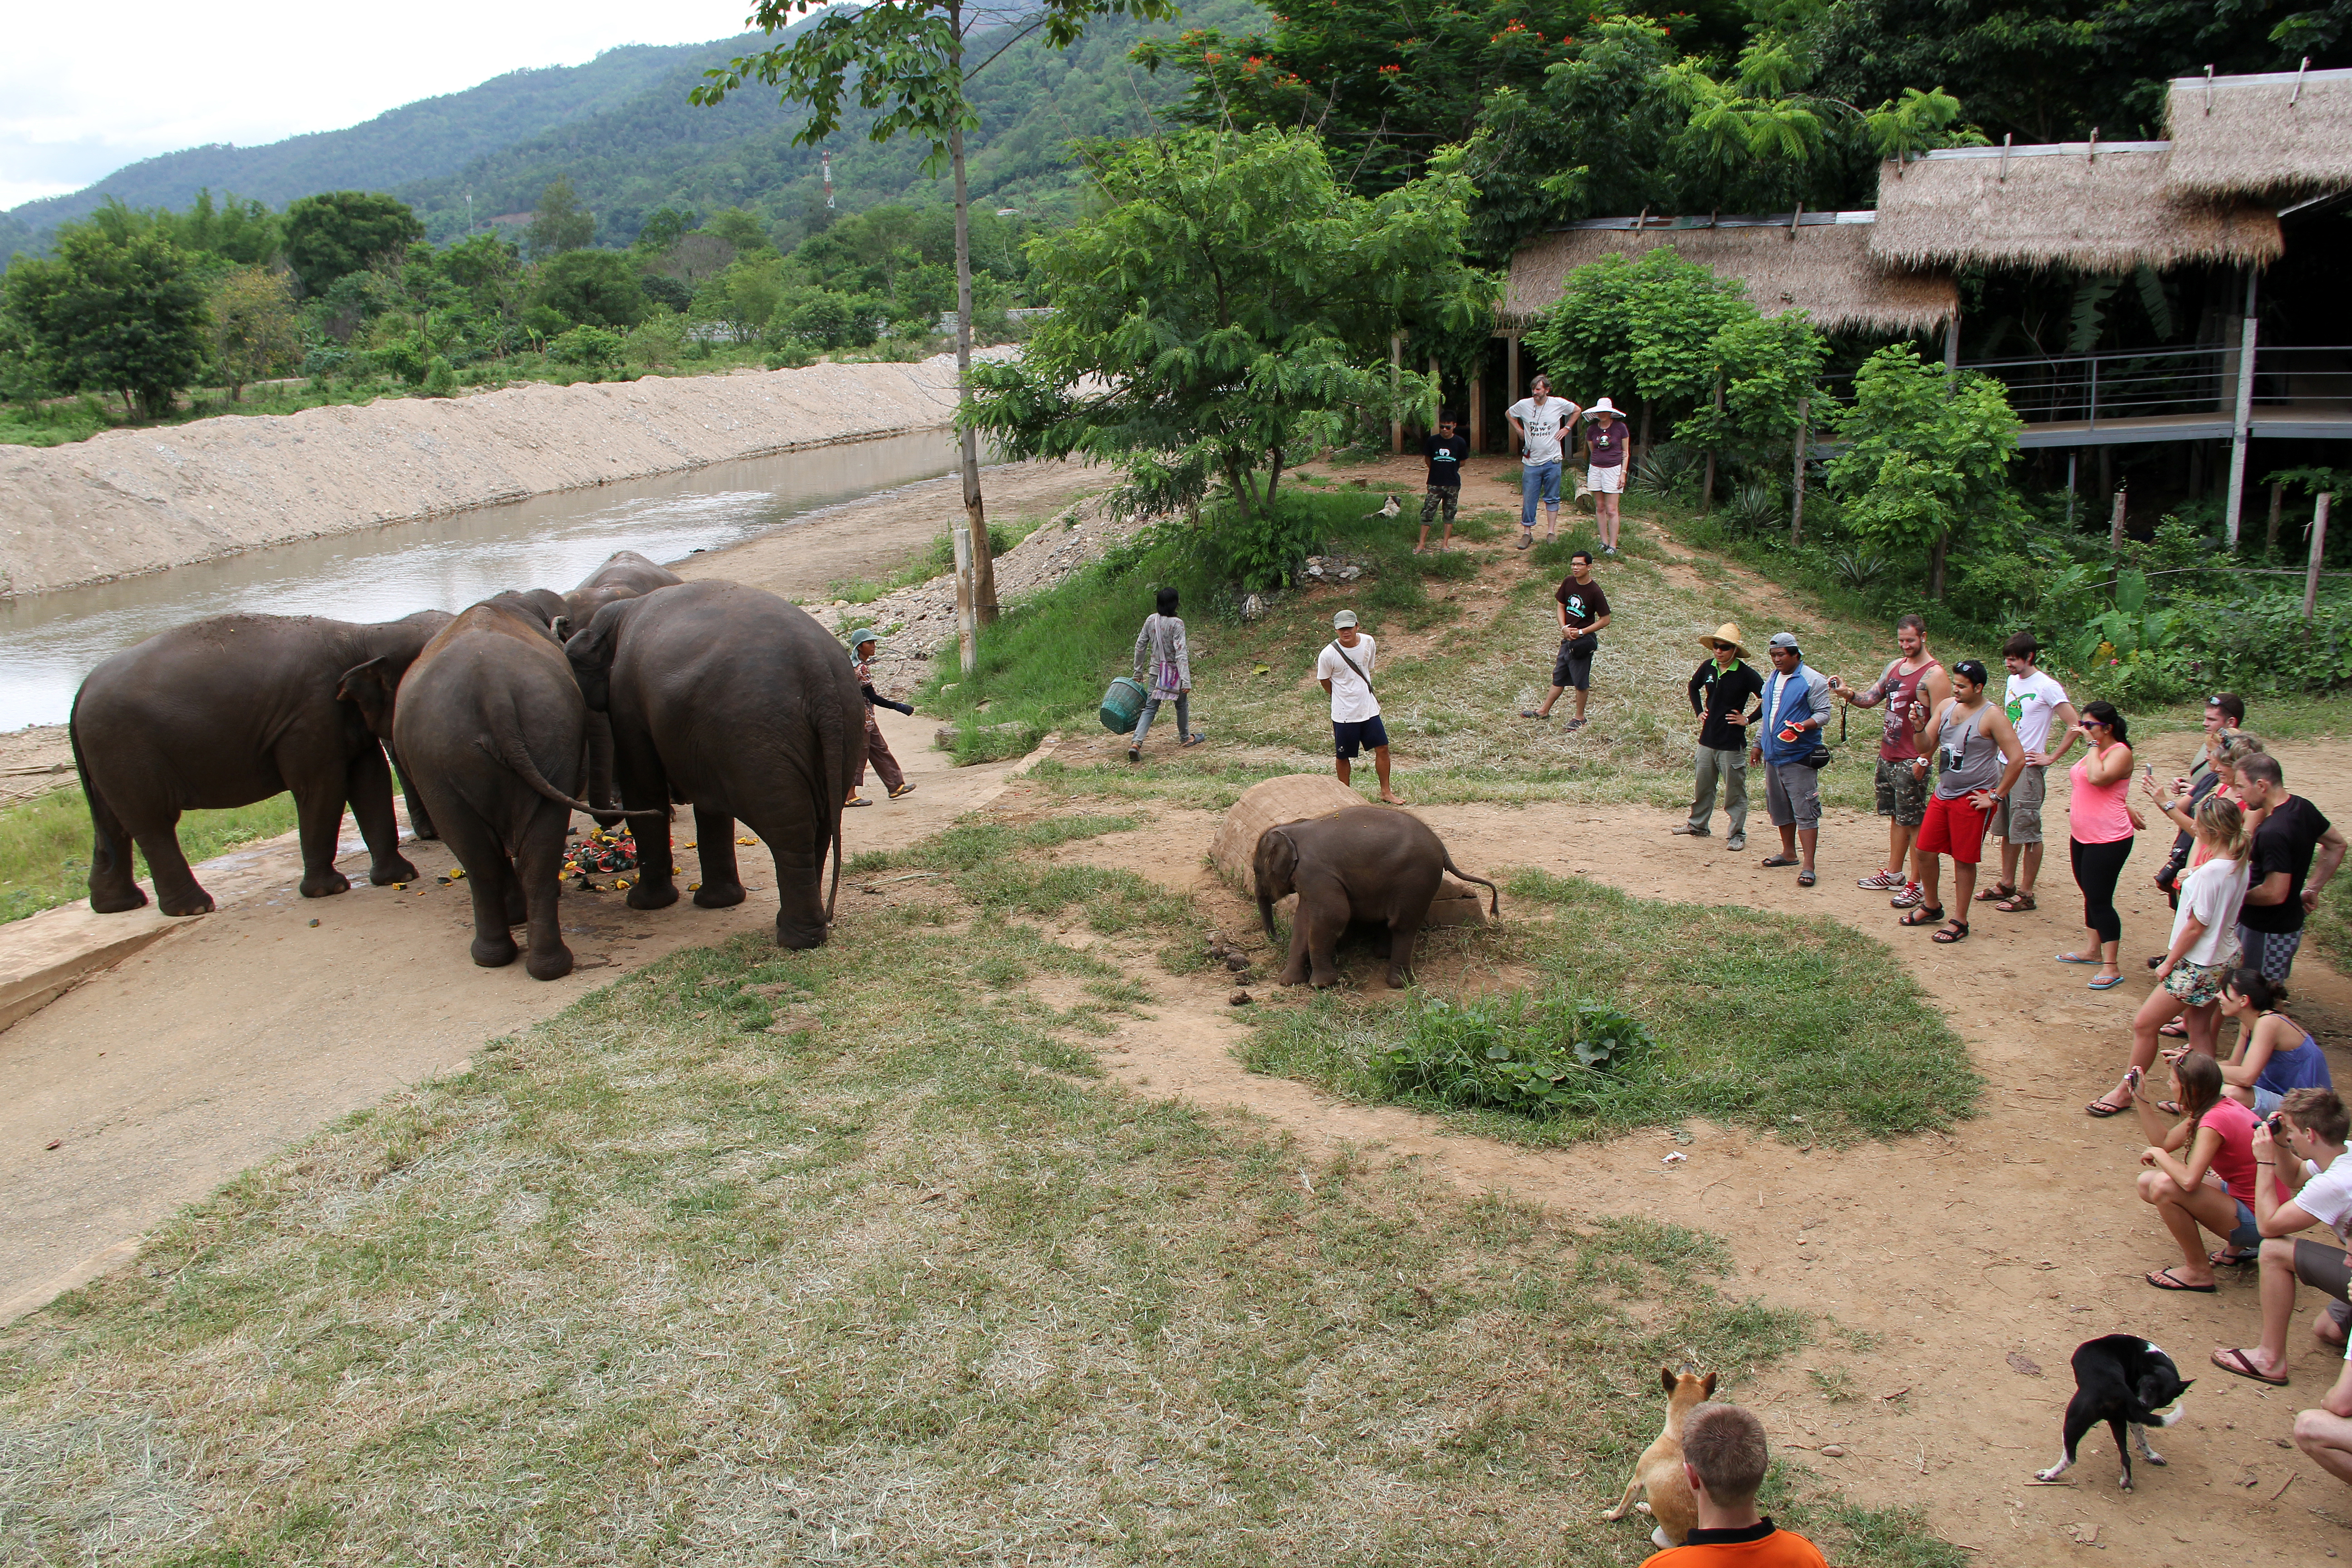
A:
[1194,739]
[1683,830]
[1910,898]
[1881,881]
[1134,755]
[902,792]
[1736,843]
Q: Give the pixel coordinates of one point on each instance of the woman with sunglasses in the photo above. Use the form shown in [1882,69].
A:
[2099,833]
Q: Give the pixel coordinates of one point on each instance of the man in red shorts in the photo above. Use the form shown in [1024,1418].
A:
[1969,739]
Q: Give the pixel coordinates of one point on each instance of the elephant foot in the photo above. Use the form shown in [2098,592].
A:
[116,901]
[422,827]
[1294,975]
[552,965]
[1398,980]
[396,869]
[497,955]
[798,937]
[325,884]
[1326,980]
[653,895]
[720,897]
[199,903]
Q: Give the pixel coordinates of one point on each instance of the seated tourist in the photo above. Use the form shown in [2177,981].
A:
[2312,1185]
[2274,1053]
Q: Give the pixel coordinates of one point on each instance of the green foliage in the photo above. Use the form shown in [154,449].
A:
[255,330]
[126,317]
[559,223]
[594,288]
[45,845]
[1538,1057]
[440,379]
[1648,325]
[331,236]
[594,349]
[1259,549]
[1770,370]
[1926,461]
[1228,307]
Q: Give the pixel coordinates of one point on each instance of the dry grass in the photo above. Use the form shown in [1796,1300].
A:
[759,1257]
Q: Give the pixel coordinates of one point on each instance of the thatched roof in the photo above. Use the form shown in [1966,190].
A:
[1821,266]
[2279,136]
[2098,207]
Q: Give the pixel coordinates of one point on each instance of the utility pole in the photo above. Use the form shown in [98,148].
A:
[2242,417]
[2318,551]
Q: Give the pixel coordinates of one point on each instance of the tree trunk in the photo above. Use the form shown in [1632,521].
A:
[1273,478]
[1936,567]
[983,559]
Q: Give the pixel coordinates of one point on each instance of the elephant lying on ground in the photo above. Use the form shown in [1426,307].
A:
[626,575]
[226,711]
[1369,863]
[736,701]
[491,726]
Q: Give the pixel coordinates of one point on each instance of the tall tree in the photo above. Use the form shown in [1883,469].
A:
[906,60]
[255,327]
[560,223]
[128,317]
[333,235]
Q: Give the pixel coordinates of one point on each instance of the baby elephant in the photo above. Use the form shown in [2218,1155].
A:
[1369,863]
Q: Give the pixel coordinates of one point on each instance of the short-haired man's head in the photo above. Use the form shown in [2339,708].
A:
[1444,418]
[2262,768]
[1540,384]
[1908,622]
[1725,1444]
[1973,672]
[2318,1111]
[1167,599]
[2232,706]
[1581,558]
[2020,644]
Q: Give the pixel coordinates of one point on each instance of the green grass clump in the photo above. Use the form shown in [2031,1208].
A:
[1540,1056]
[936,561]
[1793,1026]
[45,845]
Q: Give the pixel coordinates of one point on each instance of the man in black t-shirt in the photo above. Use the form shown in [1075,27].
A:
[1444,451]
[1719,695]
[1584,610]
[2295,852]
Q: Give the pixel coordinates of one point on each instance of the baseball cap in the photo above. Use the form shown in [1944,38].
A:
[1782,639]
[1343,620]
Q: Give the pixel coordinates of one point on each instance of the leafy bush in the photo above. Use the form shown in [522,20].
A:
[1540,1056]
[1259,551]
[440,380]
[1664,472]
[1755,508]
[591,348]
[1858,570]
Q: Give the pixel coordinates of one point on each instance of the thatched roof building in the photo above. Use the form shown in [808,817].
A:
[2281,135]
[1819,263]
[2096,206]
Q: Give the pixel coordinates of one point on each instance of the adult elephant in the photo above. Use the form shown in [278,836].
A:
[736,701]
[232,710]
[626,575]
[490,725]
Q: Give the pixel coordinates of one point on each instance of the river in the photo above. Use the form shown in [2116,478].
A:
[48,642]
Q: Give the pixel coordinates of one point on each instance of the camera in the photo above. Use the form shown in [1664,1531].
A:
[2276,1123]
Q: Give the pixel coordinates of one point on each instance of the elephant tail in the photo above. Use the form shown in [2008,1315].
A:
[1494,894]
[509,751]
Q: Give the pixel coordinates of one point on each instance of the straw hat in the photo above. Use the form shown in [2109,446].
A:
[1604,407]
[1726,633]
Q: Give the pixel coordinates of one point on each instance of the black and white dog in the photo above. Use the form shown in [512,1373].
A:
[2124,1381]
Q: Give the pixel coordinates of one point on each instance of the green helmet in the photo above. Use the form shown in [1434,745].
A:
[863,636]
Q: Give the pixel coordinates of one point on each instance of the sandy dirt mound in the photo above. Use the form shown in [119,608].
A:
[138,501]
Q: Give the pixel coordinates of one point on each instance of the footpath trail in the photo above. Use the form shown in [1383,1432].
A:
[242,1031]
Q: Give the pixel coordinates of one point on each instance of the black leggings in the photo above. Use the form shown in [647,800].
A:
[2097,868]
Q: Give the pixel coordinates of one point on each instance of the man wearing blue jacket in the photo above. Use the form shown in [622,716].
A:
[1796,707]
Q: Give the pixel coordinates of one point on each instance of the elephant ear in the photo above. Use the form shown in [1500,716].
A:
[371,687]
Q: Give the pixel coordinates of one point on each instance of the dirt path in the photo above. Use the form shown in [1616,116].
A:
[153,1083]
[1973,1263]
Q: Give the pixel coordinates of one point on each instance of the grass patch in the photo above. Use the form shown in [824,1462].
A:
[45,845]
[660,1277]
[1798,1028]
[936,561]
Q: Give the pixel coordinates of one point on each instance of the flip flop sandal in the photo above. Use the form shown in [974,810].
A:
[2070,957]
[861,800]
[1804,879]
[1531,713]
[2175,1030]
[2106,984]
[1780,860]
[1997,892]
[2016,904]
[1923,915]
[2234,1256]
[1576,724]
[2163,1280]
[2240,1362]
[1956,931]
[2169,1107]
[2102,1110]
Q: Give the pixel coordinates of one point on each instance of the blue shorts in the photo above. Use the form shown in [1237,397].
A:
[2248,1233]
[1349,734]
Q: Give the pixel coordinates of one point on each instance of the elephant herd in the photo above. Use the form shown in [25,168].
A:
[638,689]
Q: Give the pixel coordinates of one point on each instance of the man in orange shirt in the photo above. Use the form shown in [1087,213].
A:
[1724,1459]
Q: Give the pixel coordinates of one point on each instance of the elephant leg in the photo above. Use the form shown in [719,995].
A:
[799,891]
[489,881]
[722,879]
[368,784]
[112,889]
[1294,968]
[1330,922]
[644,784]
[420,819]
[538,874]
[319,812]
[1402,933]
[600,768]
[177,891]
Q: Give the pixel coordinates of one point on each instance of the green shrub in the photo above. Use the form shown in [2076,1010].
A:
[594,349]
[440,380]
[1536,1056]
[1257,554]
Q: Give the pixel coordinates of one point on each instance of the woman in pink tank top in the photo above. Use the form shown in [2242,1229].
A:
[2099,827]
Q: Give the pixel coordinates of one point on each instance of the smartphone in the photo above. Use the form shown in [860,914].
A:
[2131,1077]
[2147,770]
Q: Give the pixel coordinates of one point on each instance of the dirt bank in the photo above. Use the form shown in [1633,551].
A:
[130,502]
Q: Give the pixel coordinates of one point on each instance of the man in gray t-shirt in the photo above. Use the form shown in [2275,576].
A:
[1969,739]
[1544,426]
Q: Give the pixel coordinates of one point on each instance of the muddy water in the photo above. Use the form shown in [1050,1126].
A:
[48,642]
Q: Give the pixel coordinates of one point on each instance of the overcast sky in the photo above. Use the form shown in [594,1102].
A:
[84,92]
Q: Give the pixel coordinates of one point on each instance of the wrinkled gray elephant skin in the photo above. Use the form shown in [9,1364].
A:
[626,575]
[736,701]
[1369,863]
[226,711]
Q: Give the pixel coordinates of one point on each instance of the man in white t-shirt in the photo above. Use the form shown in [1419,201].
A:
[1344,670]
[2318,1180]
[2036,702]
[1543,425]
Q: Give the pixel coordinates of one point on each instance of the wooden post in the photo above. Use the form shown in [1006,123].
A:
[1510,380]
[1707,486]
[2115,526]
[2072,453]
[1396,369]
[1952,355]
[1797,507]
[2278,499]
[966,618]
[2318,550]
[2242,420]
[1478,403]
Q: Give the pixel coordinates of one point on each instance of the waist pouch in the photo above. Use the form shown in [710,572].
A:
[1582,642]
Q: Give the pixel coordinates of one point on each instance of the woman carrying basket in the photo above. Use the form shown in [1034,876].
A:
[1159,646]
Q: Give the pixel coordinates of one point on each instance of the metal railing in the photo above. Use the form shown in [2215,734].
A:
[2143,384]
